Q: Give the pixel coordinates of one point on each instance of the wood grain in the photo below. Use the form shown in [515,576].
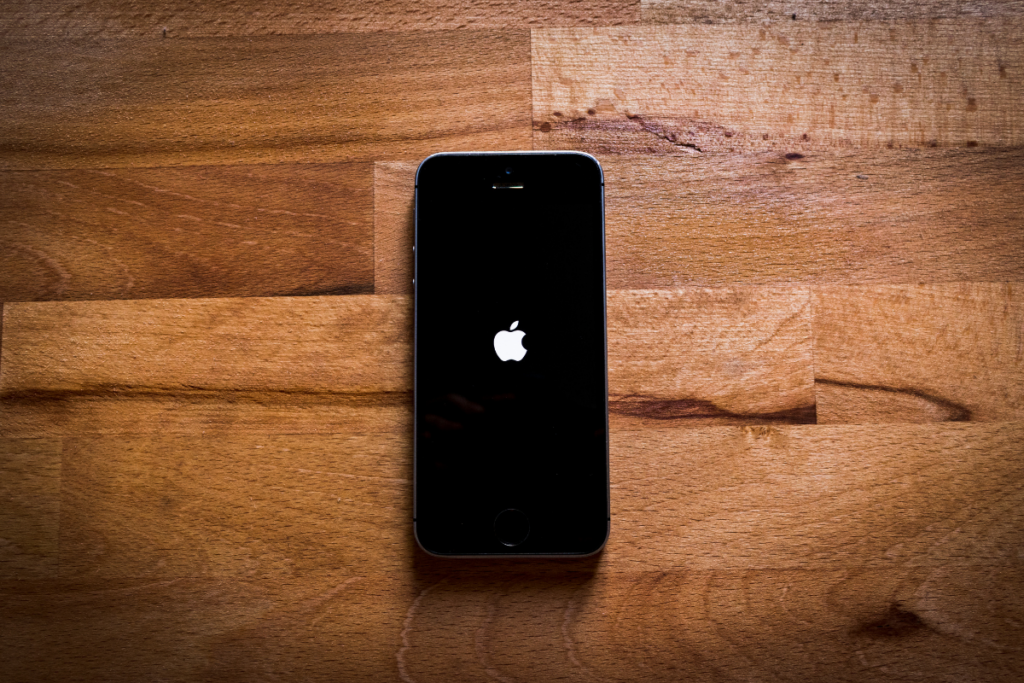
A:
[721,498]
[30,476]
[718,220]
[710,356]
[345,97]
[394,195]
[218,489]
[865,554]
[878,216]
[853,624]
[329,345]
[201,231]
[934,353]
[816,496]
[235,505]
[706,12]
[119,19]
[320,364]
[792,87]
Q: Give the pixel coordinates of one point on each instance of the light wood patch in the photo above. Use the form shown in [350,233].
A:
[707,356]
[790,86]
[710,11]
[919,353]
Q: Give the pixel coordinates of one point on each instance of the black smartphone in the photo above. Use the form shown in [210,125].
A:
[511,364]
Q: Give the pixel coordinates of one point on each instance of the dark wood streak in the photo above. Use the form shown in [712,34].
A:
[620,136]
[653,408]
[663,133]
[197,394]
[896,623]
[957,412]
[358,288]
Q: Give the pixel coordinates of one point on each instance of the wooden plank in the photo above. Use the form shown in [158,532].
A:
[394,197]
[836,548]
[119,19]
[316,345]
[897,623]
[719,220]
[344,97]
[706,356]
[816,496]
[808,497]
[322,364]
[200,411]
[30,472]
[235,505]
[708,11]
[201,231]
[792,87]
[932,353]
[883,216]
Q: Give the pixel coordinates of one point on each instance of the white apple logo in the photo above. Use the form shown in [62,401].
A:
[509,345]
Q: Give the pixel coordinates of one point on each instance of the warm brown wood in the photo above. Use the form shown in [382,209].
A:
[711,11]
[759,550]
[740,355]
[199,231]
[30,477]
[715,220]
[345,97]
[919,353]
[817,496]
[394,186]
[235,505]
[722,498]
[183,19]
[790,86]
[315,345]
[710,356]
[879,216]
[896,624]
[219,489]
[199,411]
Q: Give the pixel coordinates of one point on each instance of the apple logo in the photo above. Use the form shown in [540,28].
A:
[508,344]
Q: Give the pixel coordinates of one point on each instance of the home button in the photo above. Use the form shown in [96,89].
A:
[511,527]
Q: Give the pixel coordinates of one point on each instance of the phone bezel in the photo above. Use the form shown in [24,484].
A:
[604,285]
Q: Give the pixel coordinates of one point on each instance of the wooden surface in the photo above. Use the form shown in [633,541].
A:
[194,231]
[815,237]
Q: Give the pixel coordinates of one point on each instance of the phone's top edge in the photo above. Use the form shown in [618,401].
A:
[543,152]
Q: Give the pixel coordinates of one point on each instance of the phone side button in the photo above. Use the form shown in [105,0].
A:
[512,527]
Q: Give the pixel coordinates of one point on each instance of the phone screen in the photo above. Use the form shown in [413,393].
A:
[511,398]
